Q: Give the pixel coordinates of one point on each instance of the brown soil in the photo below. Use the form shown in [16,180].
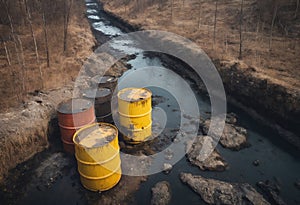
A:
[195,20]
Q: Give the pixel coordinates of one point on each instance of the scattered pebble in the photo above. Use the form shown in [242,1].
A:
[167,168]
[256,162]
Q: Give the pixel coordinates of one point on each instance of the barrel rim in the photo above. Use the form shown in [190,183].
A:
[130,88]
[60,111]
[89,93]
[76,127]
[119,168]
[104,76]
[89,126]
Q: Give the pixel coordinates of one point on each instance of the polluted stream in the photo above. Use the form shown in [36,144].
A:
[51,176]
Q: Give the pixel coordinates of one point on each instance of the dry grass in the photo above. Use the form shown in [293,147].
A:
[195,21]
[17,80]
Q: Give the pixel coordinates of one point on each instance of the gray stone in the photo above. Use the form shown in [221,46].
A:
[218,192]
[161,193]
[256,162]
[167,167]
[202,153]
[233,137]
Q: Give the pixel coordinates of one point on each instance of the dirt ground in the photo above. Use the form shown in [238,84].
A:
[278,63]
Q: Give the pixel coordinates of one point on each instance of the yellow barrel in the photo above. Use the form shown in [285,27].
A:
[98,156]
[134,107]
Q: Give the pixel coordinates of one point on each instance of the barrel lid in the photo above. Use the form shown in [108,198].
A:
[96,135]
[75,105]
[134,94]
[98,79]
[96,93]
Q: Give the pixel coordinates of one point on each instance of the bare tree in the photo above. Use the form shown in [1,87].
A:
[297,7]
[29,19]
[6,52]
[241,26]
[46,38]
[67,12]
[23,64]
[275,10]
[12,30]
[200,14]
[215,22]
[172,2]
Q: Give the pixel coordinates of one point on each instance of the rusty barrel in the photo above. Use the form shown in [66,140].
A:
[102,99]
[106,81]
[134,108]
[98,156]
[73,114]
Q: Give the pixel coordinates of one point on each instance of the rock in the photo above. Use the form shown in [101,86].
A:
[233,137]
[231,118]
[202,153]
[168,154]
[272,192]
[218,192]
[256,162]
[161,193]
[167,167]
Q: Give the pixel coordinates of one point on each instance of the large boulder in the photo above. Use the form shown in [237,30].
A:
[218,192]
[201,152]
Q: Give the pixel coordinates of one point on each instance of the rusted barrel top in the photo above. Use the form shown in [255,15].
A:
[106,81]
[134,94]
[73,106]
[100,95]
[96,93]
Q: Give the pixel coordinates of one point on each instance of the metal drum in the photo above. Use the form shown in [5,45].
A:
[102,99]
[98,156]
[73,114]
[134,108]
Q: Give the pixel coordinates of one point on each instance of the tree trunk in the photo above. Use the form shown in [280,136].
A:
[241,26]
[46,39]
[6,52]
[21,50]
[297,7]
[172,10]
[35,44]
[13,35]
[24,74]
[200,14]
[66,22]
[272,24]
[215,23]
